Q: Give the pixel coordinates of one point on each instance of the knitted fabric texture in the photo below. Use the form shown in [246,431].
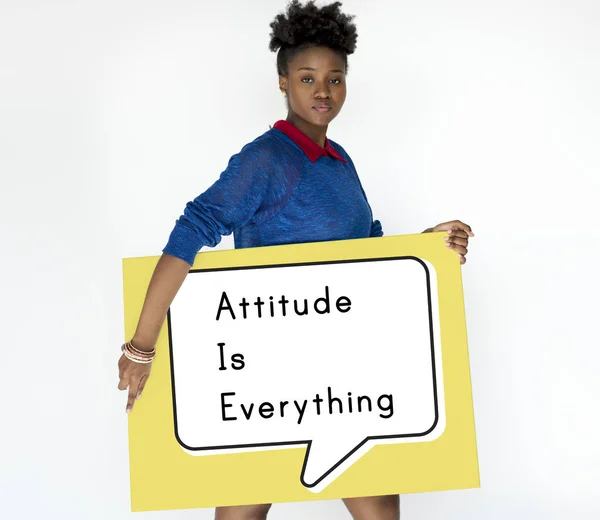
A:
[272,194]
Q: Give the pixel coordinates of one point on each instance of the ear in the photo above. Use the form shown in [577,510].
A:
[283,83]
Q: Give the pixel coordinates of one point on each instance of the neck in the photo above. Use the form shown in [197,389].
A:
[315,133]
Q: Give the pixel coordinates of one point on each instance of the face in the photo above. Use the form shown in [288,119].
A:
[315,85]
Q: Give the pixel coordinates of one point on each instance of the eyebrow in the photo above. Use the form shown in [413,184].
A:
[311,69]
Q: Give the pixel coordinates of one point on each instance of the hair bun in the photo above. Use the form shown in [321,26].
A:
[310,25]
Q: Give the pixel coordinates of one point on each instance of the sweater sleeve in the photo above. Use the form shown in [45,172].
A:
[225,206]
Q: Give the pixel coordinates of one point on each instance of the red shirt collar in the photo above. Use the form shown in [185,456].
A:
[312,150]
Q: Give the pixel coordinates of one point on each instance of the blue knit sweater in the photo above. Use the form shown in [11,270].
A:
[272,194]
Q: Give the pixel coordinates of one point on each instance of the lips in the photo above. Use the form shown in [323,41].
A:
[322,108]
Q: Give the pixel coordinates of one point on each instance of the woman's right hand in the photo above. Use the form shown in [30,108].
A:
[133,376]
[169,274]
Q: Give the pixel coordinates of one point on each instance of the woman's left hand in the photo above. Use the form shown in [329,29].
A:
[458,236]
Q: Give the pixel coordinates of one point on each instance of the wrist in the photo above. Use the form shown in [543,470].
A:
[143,344]
[136,355]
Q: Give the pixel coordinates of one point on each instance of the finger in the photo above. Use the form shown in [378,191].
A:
[458,225]
[131,397]
[458,233]
[463,259]
[141,386]
[458,248]
[457,240]
[454,227]
[123,362]
[123,382]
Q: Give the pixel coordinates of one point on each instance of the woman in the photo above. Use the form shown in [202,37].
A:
[289,185]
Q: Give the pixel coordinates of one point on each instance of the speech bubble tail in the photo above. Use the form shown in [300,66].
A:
[325,460]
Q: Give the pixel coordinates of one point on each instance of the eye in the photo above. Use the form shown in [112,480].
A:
[335,81]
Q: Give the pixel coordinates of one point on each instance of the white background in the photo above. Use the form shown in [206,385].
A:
[113,114]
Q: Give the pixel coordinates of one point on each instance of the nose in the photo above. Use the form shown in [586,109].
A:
[322,90]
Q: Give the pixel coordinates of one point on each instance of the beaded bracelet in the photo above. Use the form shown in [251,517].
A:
[143,353]
[136,355]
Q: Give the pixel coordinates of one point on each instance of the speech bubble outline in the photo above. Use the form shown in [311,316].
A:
[360,446]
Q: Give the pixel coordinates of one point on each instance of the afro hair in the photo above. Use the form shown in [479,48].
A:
[303,26]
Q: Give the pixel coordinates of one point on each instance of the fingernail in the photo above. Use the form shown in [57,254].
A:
[447,244]
[449,231]
[127,411]
[446,238]
[137,397]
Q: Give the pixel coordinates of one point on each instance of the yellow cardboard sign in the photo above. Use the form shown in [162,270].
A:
[305,372]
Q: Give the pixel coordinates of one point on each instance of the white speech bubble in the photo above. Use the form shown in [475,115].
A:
[367,372]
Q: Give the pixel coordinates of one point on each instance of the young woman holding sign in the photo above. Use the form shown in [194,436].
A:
[290,185]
